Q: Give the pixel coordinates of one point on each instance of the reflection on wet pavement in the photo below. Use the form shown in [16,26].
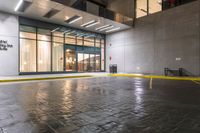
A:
[106,104]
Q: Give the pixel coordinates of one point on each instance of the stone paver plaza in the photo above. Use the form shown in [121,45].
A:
[100,105]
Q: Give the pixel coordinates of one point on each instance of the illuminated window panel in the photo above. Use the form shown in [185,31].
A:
[80,62]
[102,59]
[58,60]
[58,39]
[70,59]
[155,6]
[98,43]
[86,62]
[27,29]
[97,62]
[44,56]
[27,35]
[44,37]
[70,40]
[44,32]
[92,62]
[79,40]
[27,55]
[141,8]
[102,42]
[58,34]
[89,42]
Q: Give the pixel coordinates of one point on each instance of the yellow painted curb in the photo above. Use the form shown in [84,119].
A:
[46,78]
[155,77]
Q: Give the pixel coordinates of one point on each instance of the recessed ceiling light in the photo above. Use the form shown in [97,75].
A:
[115,29]
[73,19]
[88,23]
[102,27]
[92,24]
[66,31]
[106,28]
[71,32]
[18,5]
[67,17]
[55,29]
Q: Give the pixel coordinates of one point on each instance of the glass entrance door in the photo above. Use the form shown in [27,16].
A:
[70,60]
[80,62]
[88,62]
[92,62]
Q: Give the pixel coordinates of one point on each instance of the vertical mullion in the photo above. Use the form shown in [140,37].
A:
[64,63]
[89,63]
[104,54]
[76,56]
[36,49]
[147,7]
[76,40]
[51,52]
[83,55]
[94,54]
[100,55]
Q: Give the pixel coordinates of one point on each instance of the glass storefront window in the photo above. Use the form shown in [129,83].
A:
[44,37]
[44,51]
[141,8]
[27,35]
[145,7]
[57,49]
[102,55]
[97,62]
[58,34]
[79,40]
[44,56]
[89,42]
[86,62]
[27,29]
[102,60]
[27,55]
[58,61]
[98,43]
[80,62]
[155,6]
[58,39]
[70,39]
[44,32]
[102,43]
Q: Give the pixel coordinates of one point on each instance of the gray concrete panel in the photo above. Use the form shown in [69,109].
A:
[165,39]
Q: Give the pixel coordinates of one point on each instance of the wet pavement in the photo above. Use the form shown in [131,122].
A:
[100,105]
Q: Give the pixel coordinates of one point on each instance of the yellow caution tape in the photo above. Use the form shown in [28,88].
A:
[155,77]
[46,78]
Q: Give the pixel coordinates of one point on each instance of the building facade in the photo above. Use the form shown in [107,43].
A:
[30,46]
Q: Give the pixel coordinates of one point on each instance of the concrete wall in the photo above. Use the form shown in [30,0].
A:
[9,32]
[165,39]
